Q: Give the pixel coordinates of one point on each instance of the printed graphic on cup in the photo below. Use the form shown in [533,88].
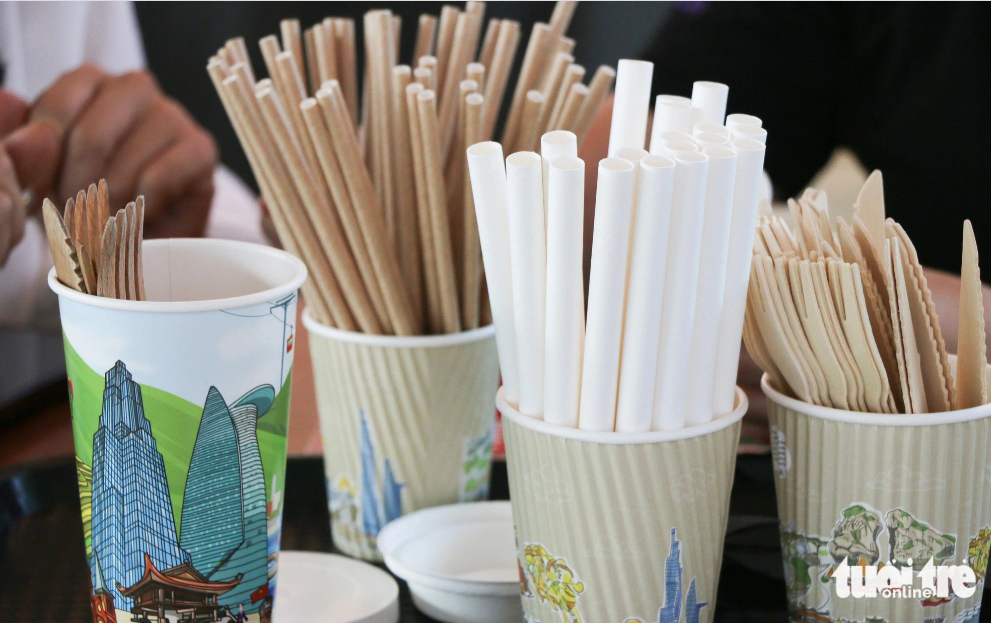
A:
[180,423]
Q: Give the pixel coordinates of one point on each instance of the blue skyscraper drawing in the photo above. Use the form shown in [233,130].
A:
[392,491]
[224,500]
[374,517]
[671,610]
[132,511]
[371,523]
[692,605]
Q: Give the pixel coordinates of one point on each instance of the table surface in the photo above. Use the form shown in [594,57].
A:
[44,577]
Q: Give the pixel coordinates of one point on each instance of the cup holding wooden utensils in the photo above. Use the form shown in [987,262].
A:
[95,253]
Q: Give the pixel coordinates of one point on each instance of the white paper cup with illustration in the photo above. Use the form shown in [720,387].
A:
[180,415]
[620,527]
[407,423]
[876,491]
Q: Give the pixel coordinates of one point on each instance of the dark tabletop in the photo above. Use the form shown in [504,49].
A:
[44,577]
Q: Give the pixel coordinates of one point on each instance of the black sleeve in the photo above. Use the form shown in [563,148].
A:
[782,62]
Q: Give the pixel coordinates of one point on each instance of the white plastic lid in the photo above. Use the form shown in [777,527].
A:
[326,588]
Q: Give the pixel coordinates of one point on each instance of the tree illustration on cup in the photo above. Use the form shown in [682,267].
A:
[553,581]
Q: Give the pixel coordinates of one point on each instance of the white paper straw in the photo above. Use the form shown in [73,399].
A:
[565,313]
[746,194]
[633,155]
[671,114]
[737,119]
[680,286]
[555,145]
[673,148]
[706,139]
[667,137]
[645,295]
[711,283]
[710,128]
[630,105]
[488,188]
[528,258]
[604,326]
[751,132]
[709,100]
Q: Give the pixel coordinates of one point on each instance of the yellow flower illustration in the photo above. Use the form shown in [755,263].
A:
[553,581]
[977,553]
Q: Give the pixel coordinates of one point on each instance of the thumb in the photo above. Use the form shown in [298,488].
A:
[35,151]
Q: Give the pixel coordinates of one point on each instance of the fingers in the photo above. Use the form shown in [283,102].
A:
[66,100]
[178,171]
[164,125]
[119,105]
[11,209]
[13,112]
[34,152]
[186,217]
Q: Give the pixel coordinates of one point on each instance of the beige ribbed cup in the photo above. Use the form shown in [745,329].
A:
[872,488]
[407,423]
[620,527]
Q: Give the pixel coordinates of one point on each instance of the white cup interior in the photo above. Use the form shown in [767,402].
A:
[187,274]
[179,270]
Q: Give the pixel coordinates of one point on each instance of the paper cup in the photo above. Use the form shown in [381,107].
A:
[874,488]
[180,411]
[620,527]
[407,423]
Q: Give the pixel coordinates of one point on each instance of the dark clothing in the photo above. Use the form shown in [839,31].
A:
[907,87]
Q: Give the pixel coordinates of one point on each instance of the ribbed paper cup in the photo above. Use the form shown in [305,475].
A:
[619,527]
[180,419]
[874,488]
[407,423]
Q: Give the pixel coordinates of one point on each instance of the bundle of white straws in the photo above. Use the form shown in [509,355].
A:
[658,346]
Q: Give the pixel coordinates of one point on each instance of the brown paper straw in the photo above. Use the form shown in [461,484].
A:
[445,41]
[333,242]
[363,196]
[533,106]
[239,49]
[598,91]
[447,286]
[327,52]
[292,39]
[498,75]
[550,87]
[454,182]
[426,34]
[410,259]
[530,74]
[378,43]
[472,255]
[566,45]
[280,197]
[569,114]
[487,52]
[312,62]
[476,72]
[423,76]
[433,308]
[573,75]
[564,10]
[447,94]
[347,64]
[331,170]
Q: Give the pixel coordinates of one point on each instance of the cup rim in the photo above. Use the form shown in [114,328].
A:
[233,302]
[873,419]
[614,438]
[396,341]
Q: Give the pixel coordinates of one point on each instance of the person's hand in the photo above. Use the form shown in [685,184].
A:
[124,129]
[24,150]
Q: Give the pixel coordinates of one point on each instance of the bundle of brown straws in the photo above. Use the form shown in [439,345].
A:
[845,318]
[95,253]
[374,196]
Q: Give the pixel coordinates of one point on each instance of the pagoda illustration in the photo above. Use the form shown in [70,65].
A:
[670,612]
[131,509]
[224,524]
[180,591]
[101,602]
[373,518]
